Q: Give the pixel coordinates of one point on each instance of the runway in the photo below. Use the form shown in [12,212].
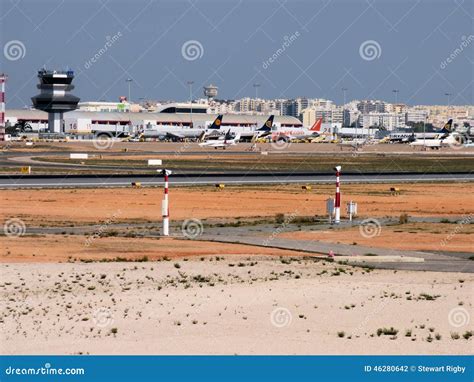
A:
[103,181]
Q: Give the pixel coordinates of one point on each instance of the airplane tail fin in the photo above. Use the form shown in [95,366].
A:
[317,125]
[217,122]
[447,128]
[267,126]
[237,137]
[227,136]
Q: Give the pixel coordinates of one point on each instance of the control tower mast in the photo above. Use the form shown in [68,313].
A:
[54,97]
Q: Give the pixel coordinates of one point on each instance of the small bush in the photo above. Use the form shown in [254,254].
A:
[387,331]
[279,218]
[403,219]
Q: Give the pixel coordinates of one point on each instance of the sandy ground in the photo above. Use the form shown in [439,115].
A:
[57,248]
[231,306]
[226,298]
[416,236]
[65,207]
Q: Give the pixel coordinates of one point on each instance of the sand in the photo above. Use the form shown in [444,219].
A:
[57,248]
[226,298]
[210,307]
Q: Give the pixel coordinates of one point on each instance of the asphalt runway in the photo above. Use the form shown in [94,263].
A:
[100,181]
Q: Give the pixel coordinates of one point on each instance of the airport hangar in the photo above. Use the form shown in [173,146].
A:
[122,124]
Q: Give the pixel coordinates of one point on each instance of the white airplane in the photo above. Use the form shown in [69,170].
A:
[222,143]
[440,138]
[245,132]
[289,133]
[179,132]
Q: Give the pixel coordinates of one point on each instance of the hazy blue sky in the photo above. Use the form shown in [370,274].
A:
[407,46]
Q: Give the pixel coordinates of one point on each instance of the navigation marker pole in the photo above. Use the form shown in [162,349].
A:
[165,211]
[337,206]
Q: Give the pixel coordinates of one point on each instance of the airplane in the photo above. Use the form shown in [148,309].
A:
[227,141]
[436,140]
[179,132]
[290,133]
[400,137]
[245,132]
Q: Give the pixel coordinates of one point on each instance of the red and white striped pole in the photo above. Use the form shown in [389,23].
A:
[3,78]
[337,204]
[165,211]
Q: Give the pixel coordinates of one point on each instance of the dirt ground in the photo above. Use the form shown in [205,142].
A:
[416,236]
[214,298]
[57,248]
[64,207]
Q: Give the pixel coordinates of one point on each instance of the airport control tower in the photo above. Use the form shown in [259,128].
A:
[54,97]
[210,91]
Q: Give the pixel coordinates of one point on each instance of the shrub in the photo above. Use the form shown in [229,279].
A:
[279,218]
[387,331]
[403,219]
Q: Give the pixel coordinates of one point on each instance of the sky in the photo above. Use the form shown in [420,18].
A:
[423,49]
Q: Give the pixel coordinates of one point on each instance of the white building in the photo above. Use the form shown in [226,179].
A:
[390,121]
[312,114]
[417,115]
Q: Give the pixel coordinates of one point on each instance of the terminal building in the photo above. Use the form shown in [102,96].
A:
[80,123]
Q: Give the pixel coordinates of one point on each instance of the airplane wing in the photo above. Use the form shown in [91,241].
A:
[175,135]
